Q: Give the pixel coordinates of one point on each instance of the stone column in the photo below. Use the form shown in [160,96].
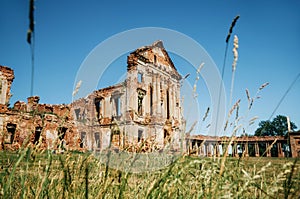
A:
[197,148]
[268,149]
[246,150]
[202,148]
[233,150]
[174,101]
[217,154]
[190,147]
[161,98]
[279,148]
[157,100]
[210,150]
[256,148]
[178,109]
[225,148]
[207,150]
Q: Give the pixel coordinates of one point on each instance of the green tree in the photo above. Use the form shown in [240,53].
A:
[278,126]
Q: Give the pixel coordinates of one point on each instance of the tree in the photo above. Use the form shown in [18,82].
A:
[278,126]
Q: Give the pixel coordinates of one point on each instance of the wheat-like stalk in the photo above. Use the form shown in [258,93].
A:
[235,52]
[251,99]
[248,95]
[235,58]
[197,79]
[78,85]
[252,120]
[235,106]
[263,85]
[231,27]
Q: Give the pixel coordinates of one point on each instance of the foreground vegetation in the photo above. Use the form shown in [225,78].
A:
[32,174]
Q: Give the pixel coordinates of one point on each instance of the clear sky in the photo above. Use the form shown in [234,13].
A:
[66,31]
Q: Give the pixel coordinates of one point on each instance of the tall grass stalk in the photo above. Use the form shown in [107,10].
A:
[235,58]
[223,68]
[81,175]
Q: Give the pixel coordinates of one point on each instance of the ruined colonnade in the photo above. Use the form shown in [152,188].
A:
[254,146]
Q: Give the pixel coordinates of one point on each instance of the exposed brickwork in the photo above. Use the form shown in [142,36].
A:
[146,106]
[34,124]
[6,79]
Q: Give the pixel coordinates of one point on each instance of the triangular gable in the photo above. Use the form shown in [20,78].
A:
[157,55]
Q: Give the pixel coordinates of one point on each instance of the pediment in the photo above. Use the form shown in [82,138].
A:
[156,55]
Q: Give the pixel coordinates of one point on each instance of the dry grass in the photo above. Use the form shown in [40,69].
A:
[32,174]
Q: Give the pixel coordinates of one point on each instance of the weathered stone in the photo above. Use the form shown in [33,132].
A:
[263,144]
[6,79]
[31,123]
[143,113]
[146,105]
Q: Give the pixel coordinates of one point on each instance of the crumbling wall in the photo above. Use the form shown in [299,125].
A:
[43,125]
[6,79]
[97,115]
[152,77]
[146,106]
[127,124]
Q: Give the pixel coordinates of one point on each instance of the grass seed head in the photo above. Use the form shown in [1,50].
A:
[263,86]
[235,52]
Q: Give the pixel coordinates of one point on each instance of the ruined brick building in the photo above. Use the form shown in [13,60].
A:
[146,106]
[32,123]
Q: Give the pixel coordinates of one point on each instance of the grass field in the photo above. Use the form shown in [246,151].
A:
[32,174]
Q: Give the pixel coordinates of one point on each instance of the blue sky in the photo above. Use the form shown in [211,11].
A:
[67,31]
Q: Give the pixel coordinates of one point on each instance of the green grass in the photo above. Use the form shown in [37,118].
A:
[32,174]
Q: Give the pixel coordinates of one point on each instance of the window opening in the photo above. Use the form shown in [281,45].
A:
[62,132]
[117,106]
[97,139]
[140,77]
[165,133]
[37,134]
[77,112]
[11,129]
[141,94]
[83,139]
[140,135]
[98,104]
